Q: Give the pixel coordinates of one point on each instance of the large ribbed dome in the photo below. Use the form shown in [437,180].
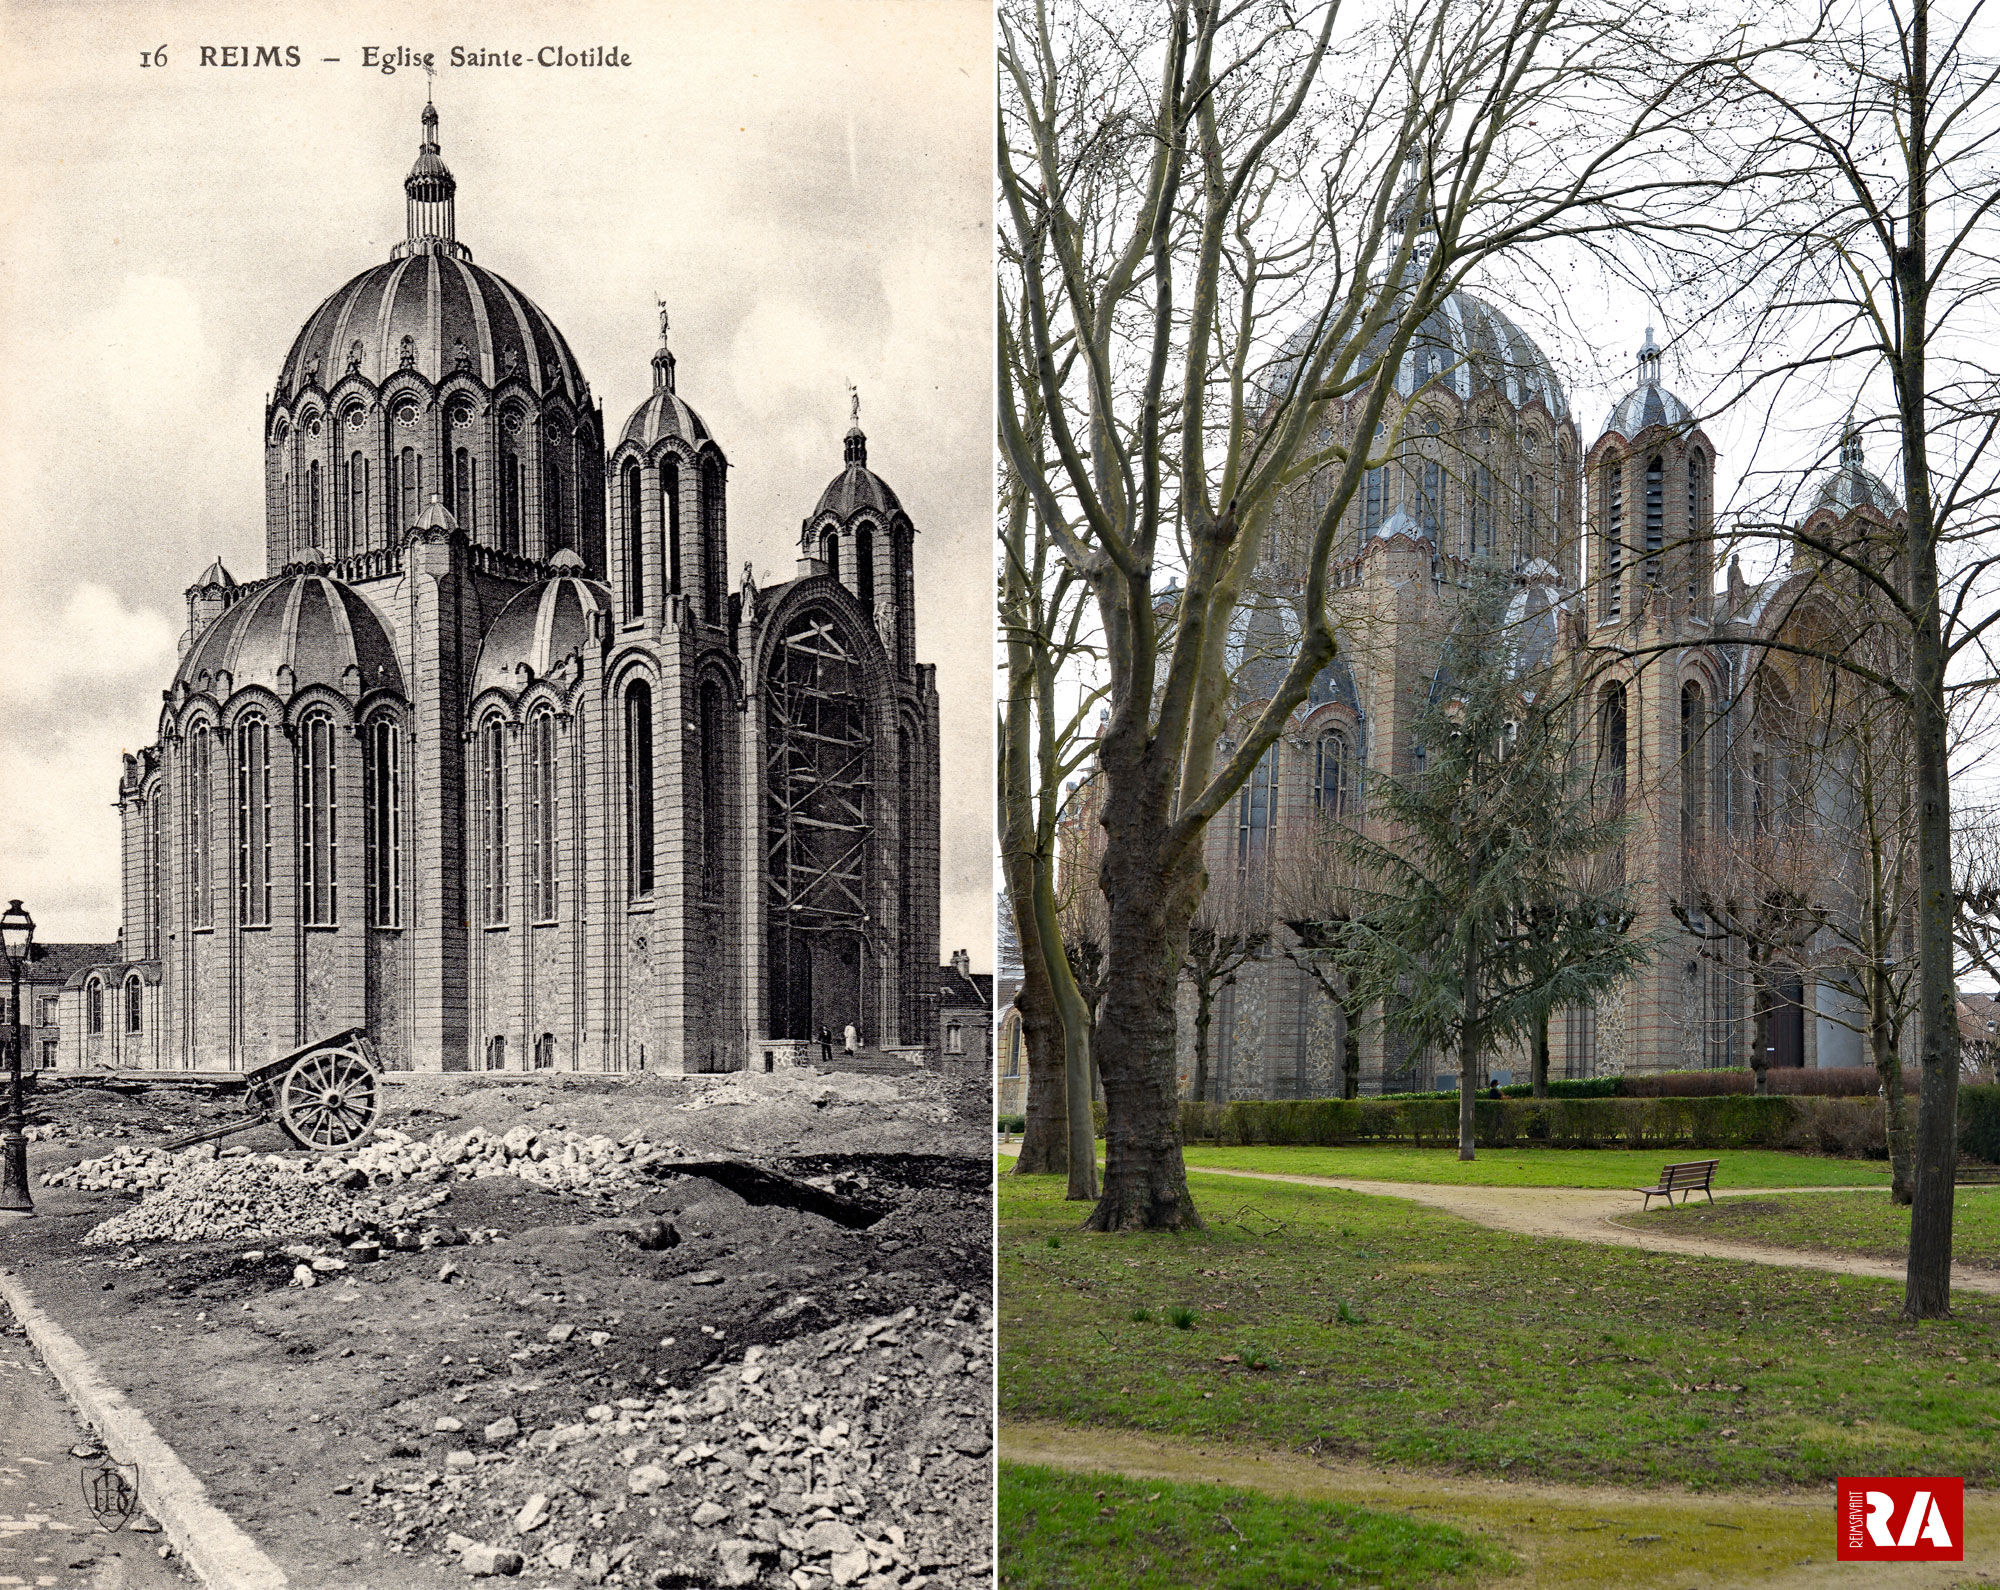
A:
[428,308]
[537,631]
[316,627]
[434,313]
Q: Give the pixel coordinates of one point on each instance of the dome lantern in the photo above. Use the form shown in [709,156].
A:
[432,193]
[663,361]
[857,441]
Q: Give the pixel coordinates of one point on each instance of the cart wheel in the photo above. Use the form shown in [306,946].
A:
[331,1099]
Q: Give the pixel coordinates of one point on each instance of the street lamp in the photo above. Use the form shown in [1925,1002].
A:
[17,935]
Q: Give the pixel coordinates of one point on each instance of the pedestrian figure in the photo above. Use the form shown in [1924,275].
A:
[825,1047]
[852,1038]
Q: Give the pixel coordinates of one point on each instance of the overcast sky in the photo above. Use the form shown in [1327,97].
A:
[806,185]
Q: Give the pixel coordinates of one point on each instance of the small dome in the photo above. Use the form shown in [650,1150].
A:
[215,577]
[1852,485]
[314,626]
[857,486]
[436,516]
[540,627]
[665,416]
[1649,403]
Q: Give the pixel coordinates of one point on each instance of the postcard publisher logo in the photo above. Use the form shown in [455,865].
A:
[1900,1520]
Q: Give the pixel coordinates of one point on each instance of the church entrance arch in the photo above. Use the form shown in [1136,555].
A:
[821,834]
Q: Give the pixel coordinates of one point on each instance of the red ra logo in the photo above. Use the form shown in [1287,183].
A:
[1900,1520]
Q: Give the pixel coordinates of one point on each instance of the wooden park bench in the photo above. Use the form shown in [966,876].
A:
[1687,1180]
[1977,1175]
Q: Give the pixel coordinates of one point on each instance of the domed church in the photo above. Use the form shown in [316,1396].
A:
[494,761]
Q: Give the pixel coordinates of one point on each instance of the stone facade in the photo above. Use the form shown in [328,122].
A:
[496,762]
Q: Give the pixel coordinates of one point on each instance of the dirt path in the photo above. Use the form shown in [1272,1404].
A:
[1572,1537]
[1588,1215]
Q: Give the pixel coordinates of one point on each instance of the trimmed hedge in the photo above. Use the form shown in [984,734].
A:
[1979,1120]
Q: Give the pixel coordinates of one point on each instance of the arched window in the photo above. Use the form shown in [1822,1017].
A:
[1433,481]
[555,523]
[156,870]
[319,798]
[459,497]
[639,788]
[714,791]
[1330,777]
[954,1039]
[510,500]
[714,554]
[357,503]
[93,1006]
[1694,769]
[382,820]
[906,600]
[542,813]
[135,1005]
[1611,747]
[1254,815]
[864,567]
[496,1052]
[829,552]
[545,1052]
[1374,494]
[635,546]
[1697,482]
[409,486]
[313,505]
[670,491]
[1614,537]
[253,822]
[493,820]
[201,797]
[1656,515]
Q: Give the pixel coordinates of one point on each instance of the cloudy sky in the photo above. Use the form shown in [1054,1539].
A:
[806,185]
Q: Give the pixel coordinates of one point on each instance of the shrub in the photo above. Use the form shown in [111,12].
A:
[1012,1123]
[1979,1121]
[1834,1082]
[1850,1128]
[1569,1088]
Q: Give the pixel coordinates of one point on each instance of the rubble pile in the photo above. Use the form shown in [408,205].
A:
[558,1161]
[200,1197]
[857,1456]
[139,1169]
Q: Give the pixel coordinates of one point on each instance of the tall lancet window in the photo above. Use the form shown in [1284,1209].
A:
[714,791]
[714,555]
[542,814]
[1614,536]
[156,880]
[1694,771]
[670,502]
[1656,515]
[201,807]
[510,484]
[409,486]
[635,545]
[319,798]
[314,506]
[382,820]
[253,822]
[639,788]
[555,529]
[1254,812]
[493,820]
[357,502]
[864,567]
[829,552]
[1697,542]
[463,486]
[1330,777]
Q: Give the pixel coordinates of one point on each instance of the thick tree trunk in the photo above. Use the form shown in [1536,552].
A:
[1074,1015]
[1540,1064]
[1151,903]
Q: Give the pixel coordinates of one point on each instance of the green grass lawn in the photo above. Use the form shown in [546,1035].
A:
[1545,1167]
[1311,1319]
[1864,1223]
[1080,1531]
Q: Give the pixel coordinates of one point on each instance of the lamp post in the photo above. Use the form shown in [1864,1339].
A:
[17,934]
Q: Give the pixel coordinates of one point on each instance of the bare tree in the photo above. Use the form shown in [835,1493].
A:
[1231,927]
[1183,185]
[1316,891]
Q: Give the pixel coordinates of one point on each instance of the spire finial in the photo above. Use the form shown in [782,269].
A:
[663,361]
[431,191]
[857,444]
[1851,455]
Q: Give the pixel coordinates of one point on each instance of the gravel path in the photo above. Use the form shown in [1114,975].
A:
[1590,1215]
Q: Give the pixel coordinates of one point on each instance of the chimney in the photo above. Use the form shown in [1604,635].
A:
[961,963]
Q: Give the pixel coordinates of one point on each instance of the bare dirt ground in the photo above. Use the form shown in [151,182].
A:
[1591,1215]
[772,1397]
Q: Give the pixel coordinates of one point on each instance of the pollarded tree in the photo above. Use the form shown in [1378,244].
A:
[1231,928]
[1482,911]
[1185,186]
[1316,892]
